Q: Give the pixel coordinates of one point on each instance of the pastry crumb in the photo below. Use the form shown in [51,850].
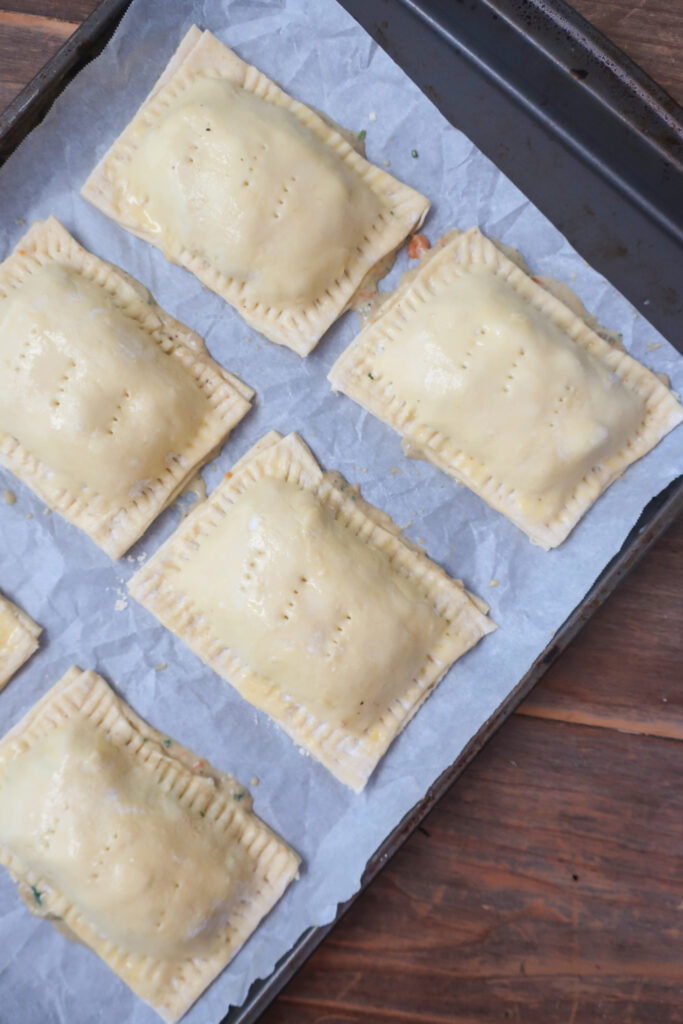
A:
[9,497]
[372,116]
[387,163]
[255,781]
[652,346]
[161,666]
[47,511]
[494,582]
[395,470]
[29,515]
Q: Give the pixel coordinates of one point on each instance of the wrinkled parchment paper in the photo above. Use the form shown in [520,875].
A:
[320,55]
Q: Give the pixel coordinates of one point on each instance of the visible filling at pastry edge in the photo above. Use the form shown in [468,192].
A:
[243,183]
[514,393]
[86,389]
[306,603]
[145,871]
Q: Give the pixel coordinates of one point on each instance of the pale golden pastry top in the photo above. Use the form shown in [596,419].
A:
[479,360]
[496,381]
[147,871]
[242,181]
[304,601]
[93,395]
[261,197]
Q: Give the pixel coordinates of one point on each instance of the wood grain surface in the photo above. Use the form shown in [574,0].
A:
[547,885]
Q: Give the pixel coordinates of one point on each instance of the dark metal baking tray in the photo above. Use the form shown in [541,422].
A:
[594,142]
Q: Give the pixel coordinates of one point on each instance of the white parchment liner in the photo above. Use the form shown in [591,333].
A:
[320,55]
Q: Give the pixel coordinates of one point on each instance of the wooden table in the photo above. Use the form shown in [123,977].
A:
[547,885]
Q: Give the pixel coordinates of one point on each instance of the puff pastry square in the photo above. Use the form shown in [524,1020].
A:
[132,844]
[107,404]
[18,639]
[255,193]
[312,605]
[487,375]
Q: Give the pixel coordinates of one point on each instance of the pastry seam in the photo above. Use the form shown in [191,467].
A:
[114,526]
[350,758]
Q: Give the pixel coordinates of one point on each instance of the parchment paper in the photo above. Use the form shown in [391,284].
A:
[320,55]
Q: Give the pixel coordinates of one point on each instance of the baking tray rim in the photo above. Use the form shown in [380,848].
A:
[32,103]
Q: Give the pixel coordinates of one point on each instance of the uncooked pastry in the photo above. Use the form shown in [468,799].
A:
[131,844]
[108,405]
[494,380]
[257,194]
[312,605]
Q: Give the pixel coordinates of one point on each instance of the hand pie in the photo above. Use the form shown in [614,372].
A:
[108,406]
[312,605]
[255,193]
[495,381]
[18,639]
[132,845]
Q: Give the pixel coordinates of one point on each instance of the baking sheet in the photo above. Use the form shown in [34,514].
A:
[320,55]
